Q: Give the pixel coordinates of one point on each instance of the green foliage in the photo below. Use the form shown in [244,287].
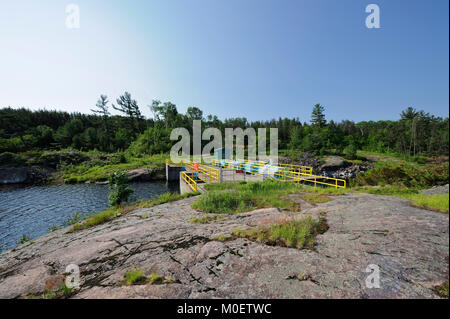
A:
[24,239]
[120,190]
[12,159]
[53,228]
[134,277]
[403,173]
[318,116]
[78,217]
[137,277]
[208,218]
[437,202]
[229,198]
[298,233]
[442,290]
[415,135]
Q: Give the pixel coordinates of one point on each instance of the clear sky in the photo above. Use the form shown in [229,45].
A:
[260,59]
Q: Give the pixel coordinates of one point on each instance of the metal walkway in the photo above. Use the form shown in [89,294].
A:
[196,173]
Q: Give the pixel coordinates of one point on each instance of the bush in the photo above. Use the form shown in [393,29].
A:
[120,190]
[405,174]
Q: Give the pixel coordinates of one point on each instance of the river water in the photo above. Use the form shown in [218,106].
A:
[33,210]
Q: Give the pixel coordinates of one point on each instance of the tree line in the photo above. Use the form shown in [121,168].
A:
[414,133]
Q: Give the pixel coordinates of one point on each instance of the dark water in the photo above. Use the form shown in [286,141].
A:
[33,210]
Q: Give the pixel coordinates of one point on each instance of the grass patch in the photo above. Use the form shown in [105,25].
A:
[403,173]
[24,239]
[97,166]
[442,290]
[230,198]
[293,233]
[208,218]
[55,288]
[137,277]
[116,211]
[134,277]
[436,202]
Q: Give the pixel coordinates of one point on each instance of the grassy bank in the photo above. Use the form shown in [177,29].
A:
[117,211]
[237,197]
[73,166]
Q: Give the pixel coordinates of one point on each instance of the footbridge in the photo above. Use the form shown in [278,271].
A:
[193,176]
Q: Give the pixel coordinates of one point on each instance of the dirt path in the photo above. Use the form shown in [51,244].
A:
[409,245]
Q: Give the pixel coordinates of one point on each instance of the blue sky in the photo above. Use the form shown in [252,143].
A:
[255,58]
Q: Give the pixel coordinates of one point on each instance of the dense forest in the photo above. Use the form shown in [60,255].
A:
[414,133]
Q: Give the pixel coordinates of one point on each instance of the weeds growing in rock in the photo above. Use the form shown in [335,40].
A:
[24,239]
[208,218]
[442,290]
[298,233]
[134,277]
[137,277]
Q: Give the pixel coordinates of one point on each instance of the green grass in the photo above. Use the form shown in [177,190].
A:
[24,239]
[402,173]
[437,202]
[234,197]
[134,277]
[101,165]
[442,290]
[137,277]
[208,218]
[293,233]
[116,211]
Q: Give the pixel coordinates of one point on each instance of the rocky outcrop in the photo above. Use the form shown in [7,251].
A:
[409,245]
[13,175]
[436,190]
[25,175]
[145,174]
[333,163]
[305,159]
[347,172]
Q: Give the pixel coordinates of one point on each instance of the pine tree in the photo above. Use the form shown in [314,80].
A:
[317,116]
[130,108]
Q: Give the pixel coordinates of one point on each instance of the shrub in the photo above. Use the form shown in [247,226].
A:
[120,190]
[405,174]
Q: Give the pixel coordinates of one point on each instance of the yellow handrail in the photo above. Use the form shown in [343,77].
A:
[189,181]
[285,172]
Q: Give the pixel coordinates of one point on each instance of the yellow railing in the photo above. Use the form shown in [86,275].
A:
[316,179]
[205,172]
[189,181]
[284,172]
[298,168]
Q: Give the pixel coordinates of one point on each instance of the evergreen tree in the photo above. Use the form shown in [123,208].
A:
[317,116]
[130,108]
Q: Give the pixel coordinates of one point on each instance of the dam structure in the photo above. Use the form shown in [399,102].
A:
[193,176]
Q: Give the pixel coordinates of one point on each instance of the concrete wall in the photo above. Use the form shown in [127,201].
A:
[173,173]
